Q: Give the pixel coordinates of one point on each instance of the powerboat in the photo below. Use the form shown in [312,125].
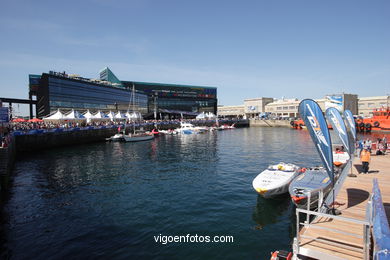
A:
[188,128]
[310,183]
[340,158]
[116,138]
[275,179]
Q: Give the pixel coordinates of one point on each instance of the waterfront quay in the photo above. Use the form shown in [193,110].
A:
[347,236]
[37,139]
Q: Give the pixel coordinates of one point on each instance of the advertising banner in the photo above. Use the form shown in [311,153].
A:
[335,101]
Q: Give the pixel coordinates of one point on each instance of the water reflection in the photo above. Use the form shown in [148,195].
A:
[69,199]
[268,211]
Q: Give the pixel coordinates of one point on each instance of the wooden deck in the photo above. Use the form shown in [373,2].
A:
[355,194]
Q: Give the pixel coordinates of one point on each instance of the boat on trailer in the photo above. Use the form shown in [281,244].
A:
[275,179]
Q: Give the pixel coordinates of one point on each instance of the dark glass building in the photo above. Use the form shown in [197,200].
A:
[177,99]
[56,90]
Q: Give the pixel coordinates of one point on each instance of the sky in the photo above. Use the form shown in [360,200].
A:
[247,49]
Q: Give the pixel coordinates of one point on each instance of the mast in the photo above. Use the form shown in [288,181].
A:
[133,106]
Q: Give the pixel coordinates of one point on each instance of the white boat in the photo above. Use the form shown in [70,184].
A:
[276,179]
[168,132]
[188,128]
[136,137]
[340,158]
[116,138]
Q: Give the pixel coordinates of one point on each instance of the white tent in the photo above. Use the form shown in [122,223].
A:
[210,115]
[101,116]
[134,116]
[74,115]
[201,116]
[111,115]
[55,116]
[88,116]
[119,115]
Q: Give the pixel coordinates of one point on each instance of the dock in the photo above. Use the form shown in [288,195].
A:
[346,236]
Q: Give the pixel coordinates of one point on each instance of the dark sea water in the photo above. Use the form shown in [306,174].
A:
[109,200]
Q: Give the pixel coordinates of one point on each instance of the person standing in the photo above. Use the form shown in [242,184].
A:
[384,140]
[365,158]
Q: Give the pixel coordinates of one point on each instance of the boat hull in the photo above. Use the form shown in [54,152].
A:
[310,183]
[274,182]
[137,138]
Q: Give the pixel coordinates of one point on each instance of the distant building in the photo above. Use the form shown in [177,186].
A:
[58,90]
[366,105]
[231,111]
[284,108]
[288,108]
[256,106]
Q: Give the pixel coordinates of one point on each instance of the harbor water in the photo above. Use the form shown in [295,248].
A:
[110,200]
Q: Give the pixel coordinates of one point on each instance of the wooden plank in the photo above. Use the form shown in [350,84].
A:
[355,194]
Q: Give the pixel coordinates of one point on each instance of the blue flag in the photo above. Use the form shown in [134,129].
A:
[333,115]
[315,122]
[351,123]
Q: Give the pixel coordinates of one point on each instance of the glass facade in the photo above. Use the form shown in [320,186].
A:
[58,90]
[67,93]
[178,97]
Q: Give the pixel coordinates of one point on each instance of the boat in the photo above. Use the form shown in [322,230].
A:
[297,124]
[138,136]
[155,132]
[380,121]
[275,179]
[317,179]
[340,158]
[168,132]
[300,124]
[116,138]
[188,128]
[310,183]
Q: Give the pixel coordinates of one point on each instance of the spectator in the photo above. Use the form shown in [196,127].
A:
[365,158]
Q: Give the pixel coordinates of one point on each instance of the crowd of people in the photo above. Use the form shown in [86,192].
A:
[380,146]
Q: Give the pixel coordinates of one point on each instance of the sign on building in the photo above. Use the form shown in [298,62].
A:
[335,101]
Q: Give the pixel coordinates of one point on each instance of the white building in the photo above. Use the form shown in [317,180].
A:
[231,111]
[256,106]
[367,104]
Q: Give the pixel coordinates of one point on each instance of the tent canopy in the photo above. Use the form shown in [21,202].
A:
[55,116]
[74,115]
[18,120]
[35,120]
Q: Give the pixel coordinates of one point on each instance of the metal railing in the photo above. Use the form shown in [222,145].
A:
[366,225]
[381,230]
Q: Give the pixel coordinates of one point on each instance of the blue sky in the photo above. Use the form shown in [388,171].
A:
[274,48]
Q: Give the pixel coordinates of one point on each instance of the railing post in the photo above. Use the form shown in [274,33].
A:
[297,240]
[320,199]
[308,206]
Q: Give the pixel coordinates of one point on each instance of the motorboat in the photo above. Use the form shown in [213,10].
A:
[340,158]
[116,138]
[188,128]
[275,179]
[168,132]
[310,183]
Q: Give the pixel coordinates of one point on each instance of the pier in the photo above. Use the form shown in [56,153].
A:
[346,236]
